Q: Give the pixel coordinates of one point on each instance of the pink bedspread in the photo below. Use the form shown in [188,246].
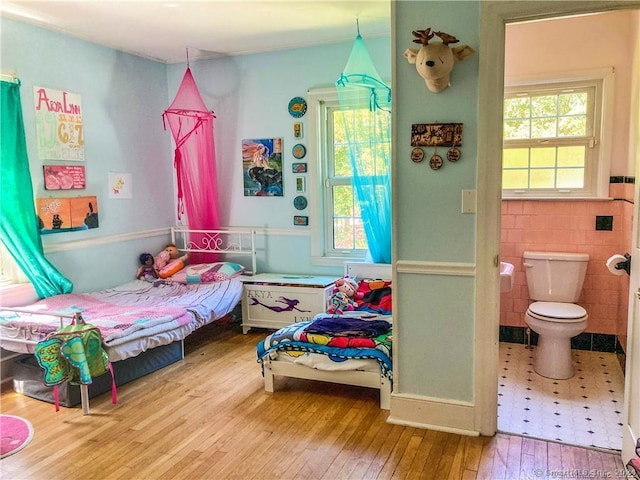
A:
[133,311]
[114,321]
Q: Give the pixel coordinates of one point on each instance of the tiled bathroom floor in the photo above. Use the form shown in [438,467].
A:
[585,410]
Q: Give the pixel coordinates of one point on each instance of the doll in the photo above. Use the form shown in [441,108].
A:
[345,294]
[146,271]
[169,261]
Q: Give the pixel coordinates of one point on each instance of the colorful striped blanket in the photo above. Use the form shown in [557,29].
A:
[338,348]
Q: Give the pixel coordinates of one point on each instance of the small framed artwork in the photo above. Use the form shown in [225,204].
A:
[300,220]
[300,184]
[298,131]
[64,177]
[299,167]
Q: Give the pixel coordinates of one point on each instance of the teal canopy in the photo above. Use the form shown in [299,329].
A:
[365,104]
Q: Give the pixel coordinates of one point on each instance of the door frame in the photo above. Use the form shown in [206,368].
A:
[493,17]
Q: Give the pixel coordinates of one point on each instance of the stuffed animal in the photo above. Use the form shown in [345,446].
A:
[169,261]
[435,61]
[345,294]
[146,271]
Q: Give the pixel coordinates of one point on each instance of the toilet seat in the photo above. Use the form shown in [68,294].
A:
[557,312]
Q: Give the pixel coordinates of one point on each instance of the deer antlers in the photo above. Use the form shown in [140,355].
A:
[423,37]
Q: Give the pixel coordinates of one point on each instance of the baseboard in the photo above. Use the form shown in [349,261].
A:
[433,414]
[595,342]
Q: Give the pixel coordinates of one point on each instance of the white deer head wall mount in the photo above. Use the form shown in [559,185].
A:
[434,61]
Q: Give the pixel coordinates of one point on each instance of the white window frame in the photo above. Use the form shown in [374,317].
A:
[320,208]
[15,287]
[598,172]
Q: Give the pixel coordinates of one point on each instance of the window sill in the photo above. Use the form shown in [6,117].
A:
[17,294]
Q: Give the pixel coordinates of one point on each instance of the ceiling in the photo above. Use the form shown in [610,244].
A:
[164,30]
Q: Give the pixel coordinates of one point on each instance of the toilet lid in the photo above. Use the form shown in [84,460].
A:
[557,310]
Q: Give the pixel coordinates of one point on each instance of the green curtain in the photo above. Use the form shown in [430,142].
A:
[18,222]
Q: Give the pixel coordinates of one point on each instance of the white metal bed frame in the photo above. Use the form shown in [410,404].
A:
[237,242]
[377,380]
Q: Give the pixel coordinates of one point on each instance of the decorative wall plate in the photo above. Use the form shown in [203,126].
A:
[300,202]
[453,154]
[417,155]
[299,151]
[297,107]
[435,162]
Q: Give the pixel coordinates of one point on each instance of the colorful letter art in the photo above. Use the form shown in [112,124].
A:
[58,116]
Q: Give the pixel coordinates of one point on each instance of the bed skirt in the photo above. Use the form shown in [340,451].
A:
[28,375]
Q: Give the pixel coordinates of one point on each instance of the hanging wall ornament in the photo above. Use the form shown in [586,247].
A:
[453,154]
[435,162]
[417,155]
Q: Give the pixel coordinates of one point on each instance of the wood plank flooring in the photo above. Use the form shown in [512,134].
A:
[209,417]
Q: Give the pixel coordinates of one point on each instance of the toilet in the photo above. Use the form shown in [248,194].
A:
[555,281]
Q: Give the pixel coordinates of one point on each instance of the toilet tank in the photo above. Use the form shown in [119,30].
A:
[555,276]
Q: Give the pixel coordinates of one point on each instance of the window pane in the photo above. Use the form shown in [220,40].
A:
[572,104]
[515,157]
[514,129]
[360,237]
[542,178]
[572,126]
[543,128]
[517,179]
[570,178]
[571,156]
[341,164]
[343,233]
[517,107]
[543,157]
[544,106]
[343,201]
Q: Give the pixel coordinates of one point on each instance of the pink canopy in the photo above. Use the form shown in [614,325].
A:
[191,125]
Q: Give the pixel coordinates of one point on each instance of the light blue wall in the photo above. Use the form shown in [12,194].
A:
[123,97]
[249,95]
[434,313]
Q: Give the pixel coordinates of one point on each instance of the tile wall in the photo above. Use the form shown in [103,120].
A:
[570,226]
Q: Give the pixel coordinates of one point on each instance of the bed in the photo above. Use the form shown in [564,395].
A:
[140,319]
[302,351]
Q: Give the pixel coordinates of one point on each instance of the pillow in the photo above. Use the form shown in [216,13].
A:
[374,296]
[213,272]
[171,268]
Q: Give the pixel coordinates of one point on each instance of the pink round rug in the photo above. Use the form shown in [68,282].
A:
[16,433]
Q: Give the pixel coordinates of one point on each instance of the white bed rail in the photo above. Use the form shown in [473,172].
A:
[237,242]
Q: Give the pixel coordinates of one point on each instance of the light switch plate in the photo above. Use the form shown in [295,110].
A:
[468,201]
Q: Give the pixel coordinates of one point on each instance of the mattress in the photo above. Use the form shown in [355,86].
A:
[133,317]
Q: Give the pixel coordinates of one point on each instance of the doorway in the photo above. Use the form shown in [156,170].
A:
[585,409]
[494,16]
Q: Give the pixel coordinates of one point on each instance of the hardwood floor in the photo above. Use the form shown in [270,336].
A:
[209,417]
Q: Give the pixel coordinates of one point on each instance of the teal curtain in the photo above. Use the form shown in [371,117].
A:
[18,222]
[365,106]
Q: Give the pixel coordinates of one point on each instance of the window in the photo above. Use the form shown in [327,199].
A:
[553,140]
[10,273]
[340,234]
